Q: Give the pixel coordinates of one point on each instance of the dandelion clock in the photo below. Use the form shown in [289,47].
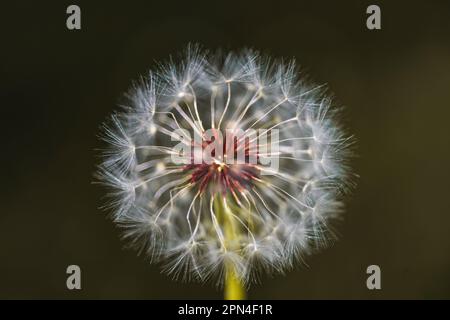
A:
[225,167]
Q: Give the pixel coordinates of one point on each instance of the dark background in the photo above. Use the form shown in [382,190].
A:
[57,86]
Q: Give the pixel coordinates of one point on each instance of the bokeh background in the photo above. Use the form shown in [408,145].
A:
[57,86]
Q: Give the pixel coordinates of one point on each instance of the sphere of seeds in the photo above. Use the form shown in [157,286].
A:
[180,212]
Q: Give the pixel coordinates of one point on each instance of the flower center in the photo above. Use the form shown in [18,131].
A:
[221,169]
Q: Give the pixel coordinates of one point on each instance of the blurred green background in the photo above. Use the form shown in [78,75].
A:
[57,86]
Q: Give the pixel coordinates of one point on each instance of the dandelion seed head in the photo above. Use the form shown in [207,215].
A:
[278,215]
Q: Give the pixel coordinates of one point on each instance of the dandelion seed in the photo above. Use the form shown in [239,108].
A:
[218,219]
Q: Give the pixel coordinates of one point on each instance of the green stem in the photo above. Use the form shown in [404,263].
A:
[233,289]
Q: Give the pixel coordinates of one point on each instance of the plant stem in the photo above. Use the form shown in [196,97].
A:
[233,289]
